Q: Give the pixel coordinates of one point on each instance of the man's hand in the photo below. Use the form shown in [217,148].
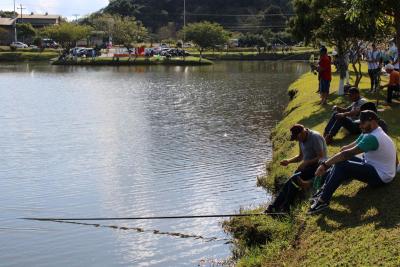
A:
[320,171]
[334,108]
[339,116]
[285,162]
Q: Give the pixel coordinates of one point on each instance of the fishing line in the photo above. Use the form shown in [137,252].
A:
[156,217]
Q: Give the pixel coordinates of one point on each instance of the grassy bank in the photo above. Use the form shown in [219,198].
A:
[294,55]
[104,61]
[362,226]
[19,56]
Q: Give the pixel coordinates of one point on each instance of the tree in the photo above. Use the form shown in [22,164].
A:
[378,12]
[67,34]
[25,31]
[327,20]
[8,14]
[253,40]
[205,35]
[123,30]
[128,31]
[167,32]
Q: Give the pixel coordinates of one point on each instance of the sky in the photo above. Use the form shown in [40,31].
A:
[66,8]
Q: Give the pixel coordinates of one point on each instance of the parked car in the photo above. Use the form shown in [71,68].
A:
[49,43]
[18,45]
[77,51]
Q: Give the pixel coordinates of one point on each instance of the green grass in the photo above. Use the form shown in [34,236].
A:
[104,61]
[26,56]
[362,226]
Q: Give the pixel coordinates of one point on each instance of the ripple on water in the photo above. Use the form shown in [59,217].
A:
[135,141]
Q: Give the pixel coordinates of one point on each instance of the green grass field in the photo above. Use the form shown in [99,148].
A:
[362,226]
[27,56]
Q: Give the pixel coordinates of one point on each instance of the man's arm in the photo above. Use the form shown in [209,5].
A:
[349,146]
[340,109]
[350,113]
[342,156]
[296,159]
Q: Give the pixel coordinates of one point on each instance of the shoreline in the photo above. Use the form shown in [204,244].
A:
[345,233]
[188,61]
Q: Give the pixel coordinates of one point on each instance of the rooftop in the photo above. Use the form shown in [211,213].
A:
[39,16]
[6,21]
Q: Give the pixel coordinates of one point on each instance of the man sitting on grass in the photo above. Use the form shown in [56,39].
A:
[393,84]
[377,166]
[312,149]
[345,117]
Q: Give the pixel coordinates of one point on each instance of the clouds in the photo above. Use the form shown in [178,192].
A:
[66,8]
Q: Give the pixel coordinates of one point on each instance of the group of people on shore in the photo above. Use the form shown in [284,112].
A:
[376,59]
[371,158]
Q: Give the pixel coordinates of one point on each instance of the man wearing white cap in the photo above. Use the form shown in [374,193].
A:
[393,84]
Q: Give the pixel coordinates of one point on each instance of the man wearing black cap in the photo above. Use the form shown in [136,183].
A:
[345,117]
[376,167]
[312,149]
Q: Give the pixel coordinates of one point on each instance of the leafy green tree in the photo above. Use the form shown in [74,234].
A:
[8,14]
[123,30]
[205,35]
[253,40]
[377,12]
[67,34]
[327,21]
[25,31]
[128,31]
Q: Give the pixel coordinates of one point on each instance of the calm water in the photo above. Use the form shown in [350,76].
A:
[132,141]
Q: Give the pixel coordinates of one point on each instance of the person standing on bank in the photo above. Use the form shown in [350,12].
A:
[325,74]
[373,58]
[345,117]
[312,149]
[393,84]
[376,167]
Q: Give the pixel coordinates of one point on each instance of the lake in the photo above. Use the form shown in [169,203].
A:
[132,141]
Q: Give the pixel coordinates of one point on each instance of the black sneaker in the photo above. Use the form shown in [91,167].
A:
[315,196]
[317,207]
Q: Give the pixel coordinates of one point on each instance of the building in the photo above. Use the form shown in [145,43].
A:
[36,20]
[7,31]
[39,20]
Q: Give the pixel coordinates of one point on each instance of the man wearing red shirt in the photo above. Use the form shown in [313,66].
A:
[325,75]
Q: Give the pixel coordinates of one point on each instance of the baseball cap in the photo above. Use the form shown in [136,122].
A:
[295,131]
[368,115]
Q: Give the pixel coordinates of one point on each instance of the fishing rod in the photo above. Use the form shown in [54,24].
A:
[155,217]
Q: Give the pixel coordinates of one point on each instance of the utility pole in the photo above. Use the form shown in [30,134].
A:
[76,17]
[21,8]
[184,19]
[15,24]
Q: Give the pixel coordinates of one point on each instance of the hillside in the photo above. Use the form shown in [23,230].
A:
[242,15]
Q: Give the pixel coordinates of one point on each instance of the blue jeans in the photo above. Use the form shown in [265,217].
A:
[334,125]
[324,86]
[354,168]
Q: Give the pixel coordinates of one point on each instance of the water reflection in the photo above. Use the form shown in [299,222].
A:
[132,141]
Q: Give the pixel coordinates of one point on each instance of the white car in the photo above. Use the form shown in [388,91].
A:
[18,45]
